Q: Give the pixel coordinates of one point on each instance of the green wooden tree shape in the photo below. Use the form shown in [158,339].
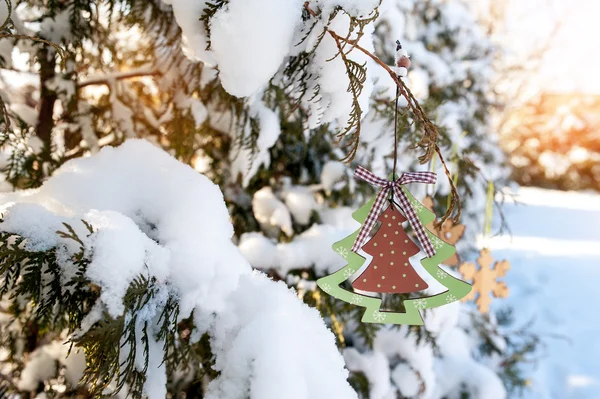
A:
[456,289]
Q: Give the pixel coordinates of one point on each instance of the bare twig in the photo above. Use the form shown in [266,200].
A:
[106,79]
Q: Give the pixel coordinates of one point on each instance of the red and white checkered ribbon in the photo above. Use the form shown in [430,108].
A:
[409,211]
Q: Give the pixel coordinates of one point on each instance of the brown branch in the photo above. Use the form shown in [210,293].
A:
[106,79]
[5,116]
[46,106]
[48,97]
[430,138]
[59,50]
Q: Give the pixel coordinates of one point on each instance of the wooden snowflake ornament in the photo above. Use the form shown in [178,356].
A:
[449,232]
[485,279]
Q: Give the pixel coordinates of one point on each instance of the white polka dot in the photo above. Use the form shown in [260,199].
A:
[374,244]
[393,217]
[385,235]
[391,242]
[406,264]
[383,277]
[385,216]
[374,267]
[378,285]
[404,275]
[392,263]
[393,287]
[404,253]
[364,280]
[406,241]
[396,232]
[417,285]
[389,225]
[392,252]
[380,254]
[399,224]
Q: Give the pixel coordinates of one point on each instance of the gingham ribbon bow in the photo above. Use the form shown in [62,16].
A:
[386,186]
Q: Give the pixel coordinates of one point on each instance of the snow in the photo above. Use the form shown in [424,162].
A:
[121,253]
[358,8]
[376,368]
[55,29]
[270,212]
[39,368]
[333,96]
[25,112]
[199,111]
[398,362]
[301,202]
[37,219]
[249,52]
[554,272]
[187,13]
[160,218]
[42,365]
[259,250]
[333,172]
[268,313]
[247,161]
[340,217]
[3,12]
[311,248]
[406,380]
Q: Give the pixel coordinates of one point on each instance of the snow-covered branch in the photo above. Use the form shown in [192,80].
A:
[106,79]
[179,244]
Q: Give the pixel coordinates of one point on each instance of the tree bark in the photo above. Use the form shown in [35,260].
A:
[48,97]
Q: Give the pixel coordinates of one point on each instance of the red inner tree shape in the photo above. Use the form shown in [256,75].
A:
[390,271]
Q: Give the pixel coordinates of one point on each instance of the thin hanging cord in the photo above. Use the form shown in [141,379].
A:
[395,176]
[396,132]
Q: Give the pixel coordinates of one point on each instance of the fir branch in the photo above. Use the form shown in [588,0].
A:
[358,25]
[357,75]
[101,345]
[4,118]
[429,142]
[70,234]
[211,8]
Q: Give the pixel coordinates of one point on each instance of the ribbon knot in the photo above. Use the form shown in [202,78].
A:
[394,187]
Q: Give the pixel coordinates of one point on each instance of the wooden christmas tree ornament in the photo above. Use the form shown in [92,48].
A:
[390,272]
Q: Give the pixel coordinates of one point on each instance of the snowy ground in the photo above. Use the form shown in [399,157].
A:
[555,256]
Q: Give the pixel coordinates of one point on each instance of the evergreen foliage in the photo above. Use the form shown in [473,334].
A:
[123,74]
